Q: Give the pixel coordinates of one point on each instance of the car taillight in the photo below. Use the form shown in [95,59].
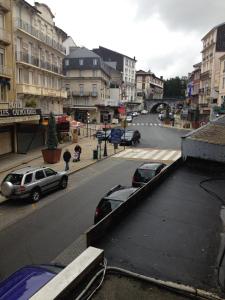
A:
[97,212]
[22,188]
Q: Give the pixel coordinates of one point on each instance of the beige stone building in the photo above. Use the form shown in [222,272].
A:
[213,50]
[148,85]
[88,84]
[39,54]
[222,80]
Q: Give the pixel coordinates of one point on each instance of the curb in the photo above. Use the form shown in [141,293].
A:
[3,199]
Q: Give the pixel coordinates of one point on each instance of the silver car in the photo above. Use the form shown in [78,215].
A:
[32,183]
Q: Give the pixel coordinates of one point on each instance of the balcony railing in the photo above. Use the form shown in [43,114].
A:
[40,35]
[5,5]
[40,91]
[5,71]
[35,61]
[84,94]
[5,36]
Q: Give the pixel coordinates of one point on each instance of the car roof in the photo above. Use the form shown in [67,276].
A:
[122,194]
[25,282]
[150,166]
[27,170]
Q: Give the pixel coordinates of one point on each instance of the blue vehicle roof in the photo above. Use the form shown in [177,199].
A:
[24,283]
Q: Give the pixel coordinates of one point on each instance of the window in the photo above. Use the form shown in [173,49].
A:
[28,178]
[30,77]
[39,175]
[81,89]
[19,75]
[94,89]
[1,20]
[49,172]
[94,73]
[95,61]
[223,82]
[81,62]
[80,73]
[67,62]
[2,57]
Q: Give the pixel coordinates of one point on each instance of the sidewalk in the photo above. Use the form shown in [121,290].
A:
[34,158]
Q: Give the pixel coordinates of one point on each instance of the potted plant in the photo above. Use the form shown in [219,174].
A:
[52,154]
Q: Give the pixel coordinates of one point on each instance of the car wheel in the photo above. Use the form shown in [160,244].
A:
[35,195]
[63,183]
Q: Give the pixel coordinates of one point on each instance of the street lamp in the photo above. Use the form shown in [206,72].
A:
[105,146]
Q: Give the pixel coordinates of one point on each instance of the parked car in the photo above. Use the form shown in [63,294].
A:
[144,112]
[130,137]
[103,135]
[146,172]
[32,183]
[134,114]
[129,118]
[113,199]
[27,281]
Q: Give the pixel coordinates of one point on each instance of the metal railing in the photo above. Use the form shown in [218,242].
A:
[40,35]
[22,56]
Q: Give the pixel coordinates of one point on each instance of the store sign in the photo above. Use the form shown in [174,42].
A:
[15,112]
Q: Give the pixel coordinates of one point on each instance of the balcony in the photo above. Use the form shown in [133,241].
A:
[5,37]
[80,94]
[5,71]
[40,91]
[5,5]
[33,60]
[21,24]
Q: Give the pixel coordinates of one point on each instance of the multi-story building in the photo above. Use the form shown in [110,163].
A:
[148,85]
[87,80]
[213,50]
[222,81]
[193,86]
[39,54]
[69,43]
[126,66]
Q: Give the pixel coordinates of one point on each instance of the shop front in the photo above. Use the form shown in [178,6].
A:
[19,130]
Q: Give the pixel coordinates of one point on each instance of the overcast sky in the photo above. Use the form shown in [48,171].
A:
[163,35]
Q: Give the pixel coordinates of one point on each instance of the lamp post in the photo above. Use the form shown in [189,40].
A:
[105,146]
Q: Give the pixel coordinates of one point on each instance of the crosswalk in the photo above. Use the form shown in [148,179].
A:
[144,124]
[150,154]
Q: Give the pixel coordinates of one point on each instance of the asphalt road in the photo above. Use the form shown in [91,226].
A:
[32,234]
[155,136]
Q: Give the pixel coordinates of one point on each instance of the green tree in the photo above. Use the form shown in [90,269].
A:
[175,88]
[52,140]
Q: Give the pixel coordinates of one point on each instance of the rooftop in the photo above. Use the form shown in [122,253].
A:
[82,52]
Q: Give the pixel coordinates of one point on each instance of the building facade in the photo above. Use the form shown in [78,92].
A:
[87,80]
[39,54]
[148,86]
[213,50]
[126,66]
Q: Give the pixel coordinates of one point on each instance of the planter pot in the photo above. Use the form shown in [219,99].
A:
[51,156]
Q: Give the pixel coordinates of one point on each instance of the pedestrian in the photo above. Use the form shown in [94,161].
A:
[78,150]
[66,158]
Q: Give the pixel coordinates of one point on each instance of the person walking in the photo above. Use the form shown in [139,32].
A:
[66,158]
[78,150]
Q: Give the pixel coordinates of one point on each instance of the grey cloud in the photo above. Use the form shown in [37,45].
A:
[194,15]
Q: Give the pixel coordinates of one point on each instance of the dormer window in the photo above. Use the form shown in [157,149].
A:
[95,61]
[81,62]
[67,62]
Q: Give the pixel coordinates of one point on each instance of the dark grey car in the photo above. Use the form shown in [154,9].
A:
[32,183]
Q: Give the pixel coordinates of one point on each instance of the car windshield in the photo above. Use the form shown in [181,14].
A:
[14,178]
[144,175]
